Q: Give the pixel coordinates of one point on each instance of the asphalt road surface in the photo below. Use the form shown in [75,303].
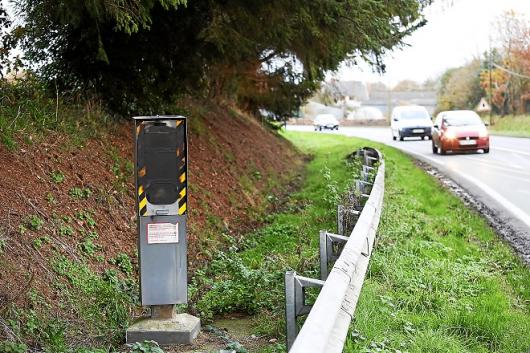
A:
[499,179]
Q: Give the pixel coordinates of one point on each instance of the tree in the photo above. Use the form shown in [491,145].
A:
[407,85]
[139,55]
[512,73]
[5,44]
[460,87]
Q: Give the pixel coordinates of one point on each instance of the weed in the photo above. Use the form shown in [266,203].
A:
[50,198]
[145,347]
[332,194]
[57,176]
[122,169]
[66,230]
[12,347]
[123,262]
[27,106]
[234,286]
[80,193]
[34,223]
[103,300]
[86,217]
[37,243]
[22,229]
[88,247]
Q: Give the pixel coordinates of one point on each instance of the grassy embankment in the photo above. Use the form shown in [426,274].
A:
[68,278]
[440,280]
[248,277]
[511,125]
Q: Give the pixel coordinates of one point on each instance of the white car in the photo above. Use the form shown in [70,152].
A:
[325,121]
[410,121]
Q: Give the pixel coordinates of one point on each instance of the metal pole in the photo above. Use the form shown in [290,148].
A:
[290,309]
[490,84]
[323,255]
[340,219]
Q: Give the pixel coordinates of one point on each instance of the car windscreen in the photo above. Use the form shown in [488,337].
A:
[413,115]
[462,119]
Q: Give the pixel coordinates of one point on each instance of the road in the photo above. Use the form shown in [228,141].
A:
[499,179]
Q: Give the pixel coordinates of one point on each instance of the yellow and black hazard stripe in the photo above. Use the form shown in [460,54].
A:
[142,201]
[181,165]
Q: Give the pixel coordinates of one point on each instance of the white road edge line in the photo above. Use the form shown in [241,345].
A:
[514,210]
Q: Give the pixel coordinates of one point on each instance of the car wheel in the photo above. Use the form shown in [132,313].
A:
[394,138]
[320,128]
[487,150]
[434,149]
[429,137]
[401,138]
[440,150]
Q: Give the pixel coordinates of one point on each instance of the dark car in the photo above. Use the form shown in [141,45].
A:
[458,131]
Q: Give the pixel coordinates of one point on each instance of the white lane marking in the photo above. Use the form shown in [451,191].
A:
[514,210]
[512,151]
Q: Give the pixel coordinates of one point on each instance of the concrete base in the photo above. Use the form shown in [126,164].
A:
[181,329]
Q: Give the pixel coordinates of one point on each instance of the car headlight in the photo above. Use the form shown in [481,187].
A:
[450,135]
[483,132]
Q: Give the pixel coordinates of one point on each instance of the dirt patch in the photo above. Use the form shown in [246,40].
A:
[519,240]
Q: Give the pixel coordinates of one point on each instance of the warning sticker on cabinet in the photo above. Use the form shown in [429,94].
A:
[162,233]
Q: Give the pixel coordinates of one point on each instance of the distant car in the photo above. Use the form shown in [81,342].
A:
[325,121]
[410,121]
[459,130]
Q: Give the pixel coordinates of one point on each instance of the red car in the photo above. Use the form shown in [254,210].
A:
[459,131]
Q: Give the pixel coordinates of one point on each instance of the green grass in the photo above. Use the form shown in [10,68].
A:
[510,125]
[439,280]
[29,112]
[248,277]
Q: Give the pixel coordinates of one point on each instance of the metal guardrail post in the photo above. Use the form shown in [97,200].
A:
[295,304]
[290,308]
[361,186]
[327,252]
[340,220]
[346,213]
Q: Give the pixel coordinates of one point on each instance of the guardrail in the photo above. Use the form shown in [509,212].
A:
[326,325]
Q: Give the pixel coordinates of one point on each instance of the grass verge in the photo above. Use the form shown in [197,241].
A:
[248,277]
[511,125]
[439,281]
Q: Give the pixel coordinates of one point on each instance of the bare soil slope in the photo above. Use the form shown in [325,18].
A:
[77,202]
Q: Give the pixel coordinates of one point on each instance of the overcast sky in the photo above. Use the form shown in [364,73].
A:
[454,34]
